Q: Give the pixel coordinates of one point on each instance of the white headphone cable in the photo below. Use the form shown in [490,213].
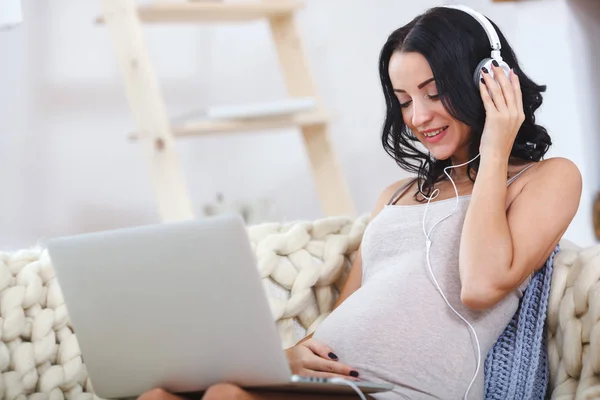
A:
[349,383]
[428,246]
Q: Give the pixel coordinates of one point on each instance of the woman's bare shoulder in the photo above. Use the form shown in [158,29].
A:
[557,176]
[560,165]
[388,193]
[555,170]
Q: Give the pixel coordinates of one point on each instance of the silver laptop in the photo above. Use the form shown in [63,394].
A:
[178,306]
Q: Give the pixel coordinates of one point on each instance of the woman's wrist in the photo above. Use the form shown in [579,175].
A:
[494,158]
[491,177]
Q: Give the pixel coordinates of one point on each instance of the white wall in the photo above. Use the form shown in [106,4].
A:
[67,168]
[584,39]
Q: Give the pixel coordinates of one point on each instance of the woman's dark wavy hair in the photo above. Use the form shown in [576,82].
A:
[453,43]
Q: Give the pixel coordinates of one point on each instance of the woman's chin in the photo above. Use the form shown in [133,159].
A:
[441,153]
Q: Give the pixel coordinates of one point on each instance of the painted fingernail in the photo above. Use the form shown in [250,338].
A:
[332,356]
[354,374]
[495,63]
[482,81]
[484,69]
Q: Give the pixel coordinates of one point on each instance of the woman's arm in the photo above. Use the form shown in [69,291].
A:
[500,249]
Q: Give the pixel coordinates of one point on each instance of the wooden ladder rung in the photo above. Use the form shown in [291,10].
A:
[192,12]
[206,127]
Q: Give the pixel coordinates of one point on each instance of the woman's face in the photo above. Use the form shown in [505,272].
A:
[422,110]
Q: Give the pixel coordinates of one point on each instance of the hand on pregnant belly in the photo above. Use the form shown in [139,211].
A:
[314,358]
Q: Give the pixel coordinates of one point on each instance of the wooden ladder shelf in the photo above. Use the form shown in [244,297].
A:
[157,135]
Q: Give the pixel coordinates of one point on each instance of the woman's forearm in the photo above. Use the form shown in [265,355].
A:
[486,247]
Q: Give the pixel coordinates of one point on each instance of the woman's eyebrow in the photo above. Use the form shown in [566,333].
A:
[420,85]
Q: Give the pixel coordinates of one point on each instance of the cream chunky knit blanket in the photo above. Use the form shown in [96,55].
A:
[39,355]
[574,324]
[303,265]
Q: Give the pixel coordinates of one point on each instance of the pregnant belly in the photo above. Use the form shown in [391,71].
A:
[403,334]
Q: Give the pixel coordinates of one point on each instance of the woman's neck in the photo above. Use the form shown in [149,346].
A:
[460,174]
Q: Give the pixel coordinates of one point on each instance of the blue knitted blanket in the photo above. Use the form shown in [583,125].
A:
[517,366]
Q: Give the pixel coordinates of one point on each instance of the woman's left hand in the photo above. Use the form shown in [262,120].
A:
[504,112]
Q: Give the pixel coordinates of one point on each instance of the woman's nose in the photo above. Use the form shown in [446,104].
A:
[421,115]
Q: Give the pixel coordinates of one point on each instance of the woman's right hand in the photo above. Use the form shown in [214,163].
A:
[314,358]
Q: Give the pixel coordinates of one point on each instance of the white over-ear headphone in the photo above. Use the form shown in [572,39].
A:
[494,44]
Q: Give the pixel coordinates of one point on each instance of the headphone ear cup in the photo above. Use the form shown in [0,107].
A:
[477,75]
[487,63]
[505,68]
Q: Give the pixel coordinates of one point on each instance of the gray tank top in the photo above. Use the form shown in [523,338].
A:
[396,327]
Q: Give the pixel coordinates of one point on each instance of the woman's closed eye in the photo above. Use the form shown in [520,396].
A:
[405,104]
[429,96]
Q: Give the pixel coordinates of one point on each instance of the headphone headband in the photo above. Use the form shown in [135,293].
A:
[487,27]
